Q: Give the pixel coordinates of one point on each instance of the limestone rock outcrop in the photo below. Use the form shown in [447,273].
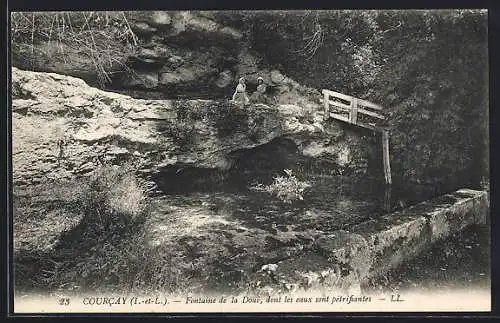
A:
[62,127]
[159,54]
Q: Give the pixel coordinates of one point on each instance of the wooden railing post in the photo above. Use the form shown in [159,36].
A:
[326,98]
[353,113]
[387,198]
[386,157]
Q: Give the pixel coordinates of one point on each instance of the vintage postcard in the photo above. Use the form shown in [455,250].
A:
[250,161]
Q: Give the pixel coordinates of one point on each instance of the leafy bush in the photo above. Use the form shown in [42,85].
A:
[182,132]
[112,201]
[286,188]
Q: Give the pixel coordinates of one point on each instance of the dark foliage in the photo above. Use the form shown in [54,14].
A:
[435,87]
[429,69]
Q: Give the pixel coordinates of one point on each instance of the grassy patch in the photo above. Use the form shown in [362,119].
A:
[108,249]
[113,200]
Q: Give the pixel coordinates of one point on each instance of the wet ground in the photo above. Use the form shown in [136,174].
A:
[331,203]
[229,235]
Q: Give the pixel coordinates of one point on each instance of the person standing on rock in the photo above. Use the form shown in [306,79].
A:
[240,94]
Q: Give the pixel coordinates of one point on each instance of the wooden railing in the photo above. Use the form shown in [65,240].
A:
[350,109]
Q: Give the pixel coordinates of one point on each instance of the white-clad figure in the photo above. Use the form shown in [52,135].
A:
[240,94]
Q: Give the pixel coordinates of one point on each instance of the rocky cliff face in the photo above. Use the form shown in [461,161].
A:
[62,128]
[159,54]
[154,90]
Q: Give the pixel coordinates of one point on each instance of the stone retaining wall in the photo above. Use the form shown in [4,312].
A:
[347,258]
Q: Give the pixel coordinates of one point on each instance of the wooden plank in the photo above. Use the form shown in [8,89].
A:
[385,149]
[340,117]
[337,104]
[360,124]
[326,107]
[370,113]
[353,114]
[369,104]
[345,107]
[337,94]
[346,97]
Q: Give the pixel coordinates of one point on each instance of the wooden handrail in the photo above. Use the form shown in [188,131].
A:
[358,106]
[369,104]
[371,114]
[338,95]
[354,107]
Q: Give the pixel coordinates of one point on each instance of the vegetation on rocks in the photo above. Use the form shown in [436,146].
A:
[113,200]
[287,188]
[69,35]
[107,247]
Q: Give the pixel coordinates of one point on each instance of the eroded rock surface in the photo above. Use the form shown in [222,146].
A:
[160,54]
[61,128]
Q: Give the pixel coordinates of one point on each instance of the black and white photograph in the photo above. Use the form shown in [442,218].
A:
[277,161]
